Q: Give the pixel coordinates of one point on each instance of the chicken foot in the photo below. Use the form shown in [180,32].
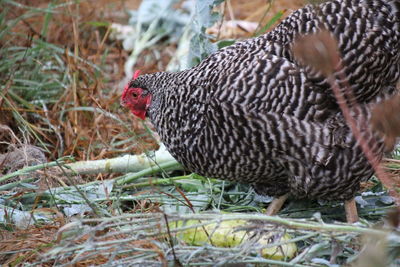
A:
[276,204]
[351,210]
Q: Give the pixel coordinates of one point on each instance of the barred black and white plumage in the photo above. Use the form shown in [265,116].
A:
[253,113]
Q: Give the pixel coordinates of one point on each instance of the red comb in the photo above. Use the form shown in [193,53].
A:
[135,75]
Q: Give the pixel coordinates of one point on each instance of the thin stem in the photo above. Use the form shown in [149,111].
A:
[362,141]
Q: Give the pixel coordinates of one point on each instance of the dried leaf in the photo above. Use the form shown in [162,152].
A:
[386,120]
[319,51]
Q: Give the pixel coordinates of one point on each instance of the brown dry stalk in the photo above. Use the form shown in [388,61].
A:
[381,174]
[321,52]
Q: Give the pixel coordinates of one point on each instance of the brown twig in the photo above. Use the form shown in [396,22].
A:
[321,52]
[177,262]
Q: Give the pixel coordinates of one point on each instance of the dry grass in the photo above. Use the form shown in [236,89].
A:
[82,133]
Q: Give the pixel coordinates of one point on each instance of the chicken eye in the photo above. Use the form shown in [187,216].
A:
[135,95]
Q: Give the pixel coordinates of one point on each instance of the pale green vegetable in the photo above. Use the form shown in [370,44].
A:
[218,234]
[286,250]
[228,234]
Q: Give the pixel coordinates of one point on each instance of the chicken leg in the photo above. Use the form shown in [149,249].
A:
[351,210]
[349,205]
[276,204]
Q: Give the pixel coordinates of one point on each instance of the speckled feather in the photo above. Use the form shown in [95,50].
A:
[252,113]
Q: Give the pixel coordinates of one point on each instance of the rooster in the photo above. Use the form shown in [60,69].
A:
[254,113]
